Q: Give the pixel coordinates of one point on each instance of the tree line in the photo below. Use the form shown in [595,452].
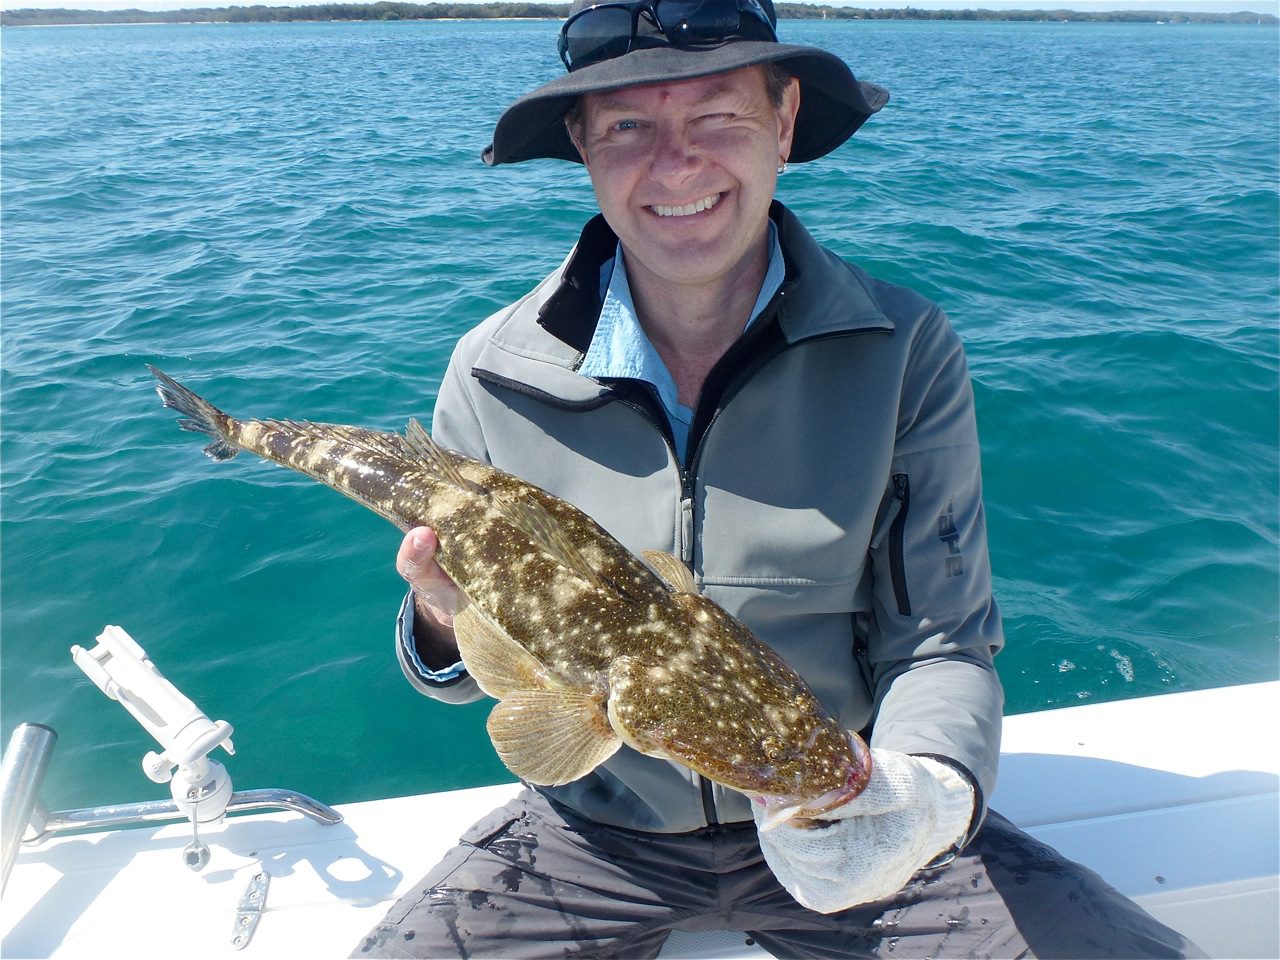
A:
[259,13]
[392,10]
[808,11]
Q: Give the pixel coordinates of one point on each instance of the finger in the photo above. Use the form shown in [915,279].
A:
[416,559]
[435,595]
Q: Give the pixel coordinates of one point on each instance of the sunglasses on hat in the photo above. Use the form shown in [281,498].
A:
[609,30]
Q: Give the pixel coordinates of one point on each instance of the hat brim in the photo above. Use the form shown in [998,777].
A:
[833,103]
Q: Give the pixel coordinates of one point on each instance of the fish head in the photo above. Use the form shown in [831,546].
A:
[724,704]
[795,759]
[777,744]
[853,772]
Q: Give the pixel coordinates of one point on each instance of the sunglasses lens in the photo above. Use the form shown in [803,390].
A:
[697,21]
[754,24]
[609,30]
[599,33]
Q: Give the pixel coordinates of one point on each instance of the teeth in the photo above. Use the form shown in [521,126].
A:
[689,209]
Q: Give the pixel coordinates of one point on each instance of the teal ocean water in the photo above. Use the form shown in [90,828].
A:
[293,218]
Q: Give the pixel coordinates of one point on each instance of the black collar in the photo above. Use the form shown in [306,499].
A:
[572,312]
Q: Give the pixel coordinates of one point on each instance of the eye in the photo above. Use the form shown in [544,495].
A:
[624,125]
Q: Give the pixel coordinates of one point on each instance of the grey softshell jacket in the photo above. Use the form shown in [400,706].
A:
[831,500]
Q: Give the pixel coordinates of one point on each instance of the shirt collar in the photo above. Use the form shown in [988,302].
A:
[621,349]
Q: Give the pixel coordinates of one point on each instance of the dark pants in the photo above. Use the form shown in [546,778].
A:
[531,880]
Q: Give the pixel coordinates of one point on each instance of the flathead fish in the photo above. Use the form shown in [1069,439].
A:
[584,646]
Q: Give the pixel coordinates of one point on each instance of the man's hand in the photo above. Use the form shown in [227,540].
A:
[913,809]
[436,598]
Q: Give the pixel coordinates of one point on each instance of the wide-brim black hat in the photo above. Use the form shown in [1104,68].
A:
[833,103]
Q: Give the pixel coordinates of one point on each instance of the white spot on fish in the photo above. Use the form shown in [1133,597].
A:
[567,591]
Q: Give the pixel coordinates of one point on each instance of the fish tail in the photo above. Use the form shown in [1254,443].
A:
[201,415]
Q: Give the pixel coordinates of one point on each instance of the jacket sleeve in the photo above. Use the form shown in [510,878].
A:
[455,426]
[934,627]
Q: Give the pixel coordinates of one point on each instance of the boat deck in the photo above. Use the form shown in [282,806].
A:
[1172,799]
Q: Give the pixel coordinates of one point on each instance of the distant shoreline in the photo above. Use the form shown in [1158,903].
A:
[390,10]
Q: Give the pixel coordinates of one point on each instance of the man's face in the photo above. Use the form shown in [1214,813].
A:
[684,172]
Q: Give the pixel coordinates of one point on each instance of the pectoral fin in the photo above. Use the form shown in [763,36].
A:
[544,732]
[551,737]
[500,665]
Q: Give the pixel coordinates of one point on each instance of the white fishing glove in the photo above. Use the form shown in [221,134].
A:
[912,810]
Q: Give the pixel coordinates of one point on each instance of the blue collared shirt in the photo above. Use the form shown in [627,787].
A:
[621,349]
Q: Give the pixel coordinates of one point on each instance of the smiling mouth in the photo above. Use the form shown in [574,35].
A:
[689,209]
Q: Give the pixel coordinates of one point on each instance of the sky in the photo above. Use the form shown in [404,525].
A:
[1202,6]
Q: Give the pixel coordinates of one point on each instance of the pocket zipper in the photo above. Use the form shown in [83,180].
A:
[897,544]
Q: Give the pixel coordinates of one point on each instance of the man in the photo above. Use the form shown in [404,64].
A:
[704,379]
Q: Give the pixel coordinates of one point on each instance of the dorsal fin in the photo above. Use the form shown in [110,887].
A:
[540,527]
[373,441]
[421,443]
[529,516]
[672,571]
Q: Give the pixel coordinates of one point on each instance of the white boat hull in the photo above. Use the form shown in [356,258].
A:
[1172,799]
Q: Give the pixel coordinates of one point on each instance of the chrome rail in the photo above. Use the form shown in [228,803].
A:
[24,820]
[150,811]
[25,761]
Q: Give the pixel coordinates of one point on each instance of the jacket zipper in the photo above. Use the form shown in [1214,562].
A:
[688,481]
[897,544]
[705,788]
[685,547]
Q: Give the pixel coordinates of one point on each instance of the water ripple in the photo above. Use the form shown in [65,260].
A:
[293,217]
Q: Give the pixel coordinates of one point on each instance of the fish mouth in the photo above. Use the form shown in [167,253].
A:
[687,209]
[801,811]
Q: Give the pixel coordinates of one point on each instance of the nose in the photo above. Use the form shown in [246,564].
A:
[676,157]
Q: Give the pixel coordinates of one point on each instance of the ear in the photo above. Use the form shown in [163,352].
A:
[573,126]
[787,111]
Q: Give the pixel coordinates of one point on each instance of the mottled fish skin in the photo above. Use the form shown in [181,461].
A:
[584,646]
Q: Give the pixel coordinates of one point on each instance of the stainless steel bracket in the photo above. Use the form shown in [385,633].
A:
[252,902]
